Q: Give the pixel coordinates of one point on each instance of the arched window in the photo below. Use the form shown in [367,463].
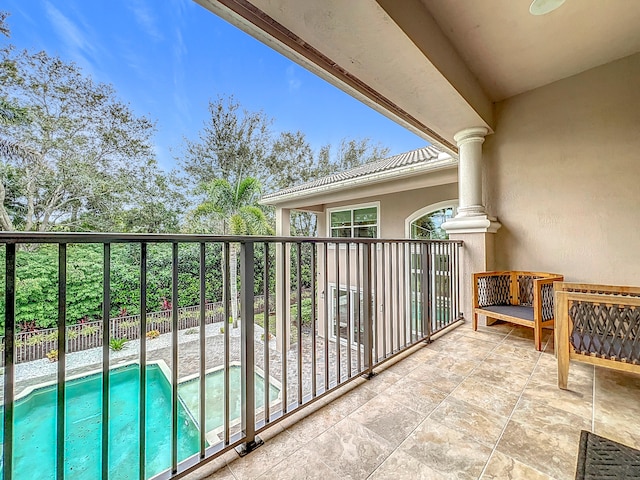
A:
[426,223]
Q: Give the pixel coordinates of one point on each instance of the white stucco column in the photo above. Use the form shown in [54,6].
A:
[283,280]
[472,224]
[470,143]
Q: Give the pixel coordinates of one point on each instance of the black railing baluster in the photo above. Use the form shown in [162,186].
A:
[314,332]
[299,316]
[62,346]
[358,317]
[348,290]
[9,351]
[203,357]
[267,334]
[174,357]
[337,320]
[227,351]
[106,331]
[327,334]
[284,321]
[143,361]
[247,345]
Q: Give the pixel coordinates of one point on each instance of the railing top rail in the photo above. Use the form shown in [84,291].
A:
[93,237]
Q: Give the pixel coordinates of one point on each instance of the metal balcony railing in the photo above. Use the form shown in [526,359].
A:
[342,307]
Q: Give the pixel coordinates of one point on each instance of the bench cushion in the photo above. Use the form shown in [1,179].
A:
[610,347]
[518,311]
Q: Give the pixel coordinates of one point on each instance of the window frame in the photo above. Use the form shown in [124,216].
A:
[352,208]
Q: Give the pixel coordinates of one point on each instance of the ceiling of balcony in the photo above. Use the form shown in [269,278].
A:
[511,51]
[438,66]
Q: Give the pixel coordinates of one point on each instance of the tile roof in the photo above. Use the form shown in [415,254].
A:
[417,157]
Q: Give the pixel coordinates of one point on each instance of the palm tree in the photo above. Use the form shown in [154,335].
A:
[236,208]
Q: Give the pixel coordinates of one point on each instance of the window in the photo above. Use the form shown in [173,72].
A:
[428,226]
[350,327]
[359,222]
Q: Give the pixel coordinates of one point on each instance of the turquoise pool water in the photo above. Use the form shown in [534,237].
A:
[214,399]
[35,428]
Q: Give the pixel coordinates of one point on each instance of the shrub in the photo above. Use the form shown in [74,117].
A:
[117,344]
[88,330]
[151,334]
[221,329]
[52,355]
[125,324]
[191,331]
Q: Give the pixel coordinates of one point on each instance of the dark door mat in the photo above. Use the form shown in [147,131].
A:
[600,458]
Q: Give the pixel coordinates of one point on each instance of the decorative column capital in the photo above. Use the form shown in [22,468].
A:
[471,135]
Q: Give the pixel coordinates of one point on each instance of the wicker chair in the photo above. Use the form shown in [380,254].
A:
[523,298]
[597,324]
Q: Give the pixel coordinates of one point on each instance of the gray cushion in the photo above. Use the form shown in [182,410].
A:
[518,311]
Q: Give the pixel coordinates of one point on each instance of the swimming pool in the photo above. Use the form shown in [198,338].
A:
[34,445]
[214,399]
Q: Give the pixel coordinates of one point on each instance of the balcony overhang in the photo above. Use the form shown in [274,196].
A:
[360,48]
[437,66]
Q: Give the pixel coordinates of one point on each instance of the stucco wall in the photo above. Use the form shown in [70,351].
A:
[562,173]
[396,207]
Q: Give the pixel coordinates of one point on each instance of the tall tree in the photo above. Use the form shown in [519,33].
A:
[293,162]
[234,207]
[90,146]
[232,144]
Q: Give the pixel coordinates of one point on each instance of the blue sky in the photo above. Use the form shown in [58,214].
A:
[167,58]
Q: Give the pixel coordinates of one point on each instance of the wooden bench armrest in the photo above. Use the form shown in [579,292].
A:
[544,303]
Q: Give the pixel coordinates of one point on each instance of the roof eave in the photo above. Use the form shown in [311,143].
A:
[370,179]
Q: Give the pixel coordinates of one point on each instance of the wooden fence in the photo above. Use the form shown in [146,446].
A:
[35,345]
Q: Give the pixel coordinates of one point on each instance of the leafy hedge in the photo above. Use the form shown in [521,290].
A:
[37,280]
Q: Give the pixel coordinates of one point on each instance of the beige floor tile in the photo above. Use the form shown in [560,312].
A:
[446,450]
[415,395]
[352,449]
[578,401]
[467,384]
[547,418]
[382,380]
[486,396]
[442,380]
[402,466]
[502,467]
[353,400]
[451,364]
[482,425]
[215,469]
[625,433]
[263,458]
[313,425]
[486,335]
[304,464]
[544,451]
[518,352]
[511,380]
[390,420]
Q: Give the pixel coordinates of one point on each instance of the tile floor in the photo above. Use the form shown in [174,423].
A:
[470,405]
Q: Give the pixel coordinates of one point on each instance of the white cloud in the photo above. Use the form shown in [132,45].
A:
[146,19]
[294,82]
[80,48]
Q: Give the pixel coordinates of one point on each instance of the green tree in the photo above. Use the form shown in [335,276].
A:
[234,207]
[232,143]
[90,146]
[292,162]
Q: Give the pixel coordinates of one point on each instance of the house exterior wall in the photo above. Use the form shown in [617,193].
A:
[391,299]
[396,207]
[562,174]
